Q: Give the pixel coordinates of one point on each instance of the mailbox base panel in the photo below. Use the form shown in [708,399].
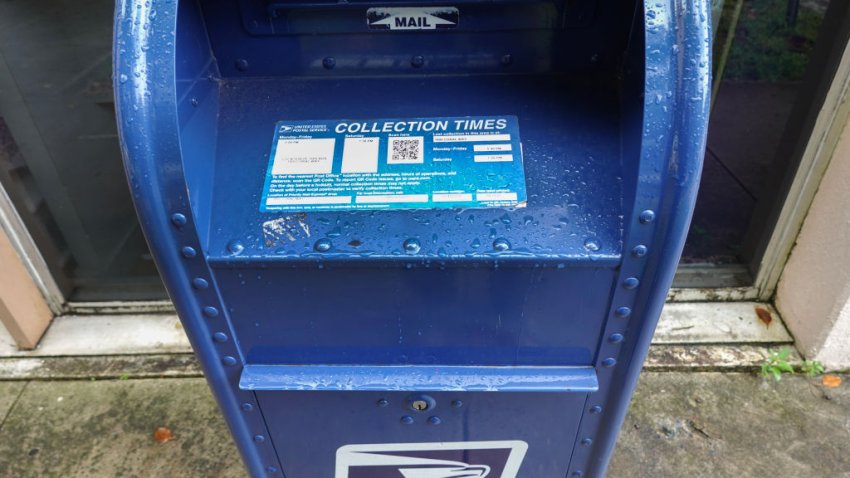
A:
[310,429]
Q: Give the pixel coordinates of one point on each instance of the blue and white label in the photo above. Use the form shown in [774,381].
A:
[412,18]
[483,459]
[420,163]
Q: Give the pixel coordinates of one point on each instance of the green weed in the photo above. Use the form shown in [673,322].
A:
[766,48]
[777,364]
[812,368]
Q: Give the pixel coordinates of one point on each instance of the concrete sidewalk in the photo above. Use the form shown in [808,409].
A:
[680,425]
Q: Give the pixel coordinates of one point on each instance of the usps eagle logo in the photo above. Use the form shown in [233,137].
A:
[493,459]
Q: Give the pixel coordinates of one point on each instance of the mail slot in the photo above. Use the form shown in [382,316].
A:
[418,239]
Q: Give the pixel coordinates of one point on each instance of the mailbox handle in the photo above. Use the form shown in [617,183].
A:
[419,378]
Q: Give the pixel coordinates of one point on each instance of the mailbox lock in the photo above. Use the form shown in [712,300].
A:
[421,403]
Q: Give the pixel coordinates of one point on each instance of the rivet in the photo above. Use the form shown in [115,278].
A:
[329,62]
[647,216]
[615,338]
[235,246]
[247,407]
[507,59]
[578,473]
[631,283]
[220,337]
[595,409]
[228,360]
[501,244]
[609,362]
[210,311]
[457,404]
[200,283]
[241,64]
[417,61]
[411,246]
[407,420]
[322,245]
[194,102]
[434,420]
[178,219]
[259,438]
[383,402]
[639,250]
[623,312]
[587,442]
[271,469]
[188,252]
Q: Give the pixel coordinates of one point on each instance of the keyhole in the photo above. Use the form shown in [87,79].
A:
[420,403]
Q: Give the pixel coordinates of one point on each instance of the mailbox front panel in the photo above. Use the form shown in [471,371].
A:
[421,315]
[540,422]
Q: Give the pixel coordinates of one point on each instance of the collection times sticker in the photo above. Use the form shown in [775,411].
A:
[419,163]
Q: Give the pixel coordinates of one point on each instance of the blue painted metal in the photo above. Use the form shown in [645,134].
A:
[546,421]
[418,378]
[612,105]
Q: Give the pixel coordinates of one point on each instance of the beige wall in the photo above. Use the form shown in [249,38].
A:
[813,294]
[23,310]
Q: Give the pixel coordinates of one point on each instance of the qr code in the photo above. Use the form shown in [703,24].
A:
[406,150]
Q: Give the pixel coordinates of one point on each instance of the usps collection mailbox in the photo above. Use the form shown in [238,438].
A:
[416,239]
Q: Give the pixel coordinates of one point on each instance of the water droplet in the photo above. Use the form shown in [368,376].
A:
[411,246]
[235,246]
[591,244]
[322,245]
[501,244]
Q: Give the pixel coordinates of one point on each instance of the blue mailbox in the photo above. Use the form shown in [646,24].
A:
[417,239]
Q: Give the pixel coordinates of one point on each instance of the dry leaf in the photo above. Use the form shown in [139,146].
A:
[831,381]
[764,316]
[162,435]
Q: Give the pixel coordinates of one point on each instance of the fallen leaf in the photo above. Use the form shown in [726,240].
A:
[764,316]
[162,435]
[831,381]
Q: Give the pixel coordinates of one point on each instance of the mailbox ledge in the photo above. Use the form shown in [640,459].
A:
[420,378]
